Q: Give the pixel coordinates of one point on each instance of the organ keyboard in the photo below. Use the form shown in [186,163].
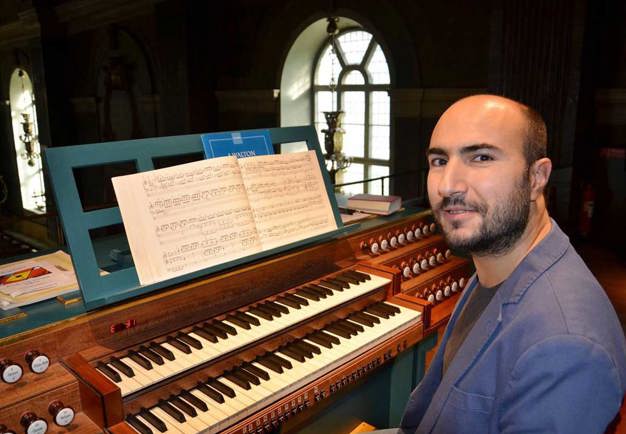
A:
[178,352]
[305,325]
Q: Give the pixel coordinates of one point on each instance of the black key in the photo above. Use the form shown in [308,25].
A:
[274,366]
[280,360]
[270,309]
[320,341]
[321,288]
[112,374]
[372,318]
[297,348]
[238,321]
[179,345]
[210,392]
[261,313]
[241,373]
[274,312]
[288,302]
[353,275]
[138,425]
[225,327]
[221,387]
[360,320]
[193,399]
[317,291]
[122,367]
[330,285]
[191,341]
[171,410]
[347,278]
[162,351]
[216,331]
[361,277]
[307,294]
[153,420]
[331,338]
[237,380]
[291,353]
[301,301]
[251,319]
[389,308]
[148,353]
[183,406]
[310,347]
[338,331]
[347,328]
[281,308]
[359,328]
[338,282]
[256,371]
[373,310]
[140,360]
[205,334]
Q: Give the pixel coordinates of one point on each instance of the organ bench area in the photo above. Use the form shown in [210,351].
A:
[314,339]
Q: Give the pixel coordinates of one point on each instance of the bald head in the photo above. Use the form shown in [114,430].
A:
[521,124]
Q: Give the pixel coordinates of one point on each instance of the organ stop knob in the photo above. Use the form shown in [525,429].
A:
[11,372]
[37,362]
[33,424]
[62,415]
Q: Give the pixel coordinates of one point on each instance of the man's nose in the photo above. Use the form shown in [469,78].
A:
[453,179]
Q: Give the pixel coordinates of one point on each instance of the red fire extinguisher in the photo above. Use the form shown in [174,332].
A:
[586,210]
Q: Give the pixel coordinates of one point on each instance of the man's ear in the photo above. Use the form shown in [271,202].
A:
[539,175]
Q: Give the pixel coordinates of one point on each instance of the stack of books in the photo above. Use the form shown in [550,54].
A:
[375,203]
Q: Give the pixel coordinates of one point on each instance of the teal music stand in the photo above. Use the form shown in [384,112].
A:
[120,284]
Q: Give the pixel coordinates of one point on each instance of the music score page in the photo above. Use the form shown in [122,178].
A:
[288,197]
[196,215]
[185,218]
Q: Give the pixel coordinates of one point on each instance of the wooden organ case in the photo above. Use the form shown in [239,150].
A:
[285,342]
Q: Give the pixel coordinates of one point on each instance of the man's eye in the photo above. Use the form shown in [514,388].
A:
[435,162]
[482,157]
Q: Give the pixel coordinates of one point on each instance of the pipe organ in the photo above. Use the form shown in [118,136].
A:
[333,326]
[259,347]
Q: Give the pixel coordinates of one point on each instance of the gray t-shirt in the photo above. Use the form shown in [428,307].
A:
[476,304]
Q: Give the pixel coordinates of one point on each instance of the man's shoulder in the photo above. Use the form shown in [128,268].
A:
[568,300]
[570,294]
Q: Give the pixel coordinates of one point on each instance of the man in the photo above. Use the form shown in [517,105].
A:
[533,345]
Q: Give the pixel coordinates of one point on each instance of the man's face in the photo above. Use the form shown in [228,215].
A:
[478,182]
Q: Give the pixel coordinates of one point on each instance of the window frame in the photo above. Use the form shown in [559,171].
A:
[367,88]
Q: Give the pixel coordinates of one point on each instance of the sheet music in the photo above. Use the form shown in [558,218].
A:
[185,218]
[288,197]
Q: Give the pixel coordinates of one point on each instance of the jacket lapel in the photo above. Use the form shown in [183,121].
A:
[475,342]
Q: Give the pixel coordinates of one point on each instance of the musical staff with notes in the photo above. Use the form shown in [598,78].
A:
[189,217]
[288,197]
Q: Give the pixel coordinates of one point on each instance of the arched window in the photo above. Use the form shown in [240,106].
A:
[358,70]
[26,139]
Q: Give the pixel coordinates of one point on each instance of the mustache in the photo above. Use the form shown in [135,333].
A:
[459,201]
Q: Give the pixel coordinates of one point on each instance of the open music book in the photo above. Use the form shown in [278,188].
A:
[189,217]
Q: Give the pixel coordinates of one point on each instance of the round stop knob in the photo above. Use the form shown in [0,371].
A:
[11,372]
[33,424]
[37,362]
[62,415]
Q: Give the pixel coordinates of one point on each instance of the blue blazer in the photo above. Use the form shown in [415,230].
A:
[547,355]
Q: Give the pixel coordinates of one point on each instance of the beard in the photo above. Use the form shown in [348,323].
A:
[498,231]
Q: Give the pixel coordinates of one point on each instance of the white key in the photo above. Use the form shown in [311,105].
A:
[127,385]
[170,429]
[187,427]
